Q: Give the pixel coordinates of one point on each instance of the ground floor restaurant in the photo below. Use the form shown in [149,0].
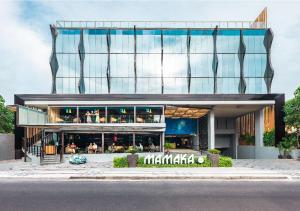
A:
[112,124]
[94,143]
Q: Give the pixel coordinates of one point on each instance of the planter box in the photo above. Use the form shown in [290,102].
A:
[50,150]
[214,158]
[132,160]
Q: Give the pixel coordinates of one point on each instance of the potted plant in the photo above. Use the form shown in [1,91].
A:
[132,157]
[168,146]
[286,146]
[50,148]
[214,156]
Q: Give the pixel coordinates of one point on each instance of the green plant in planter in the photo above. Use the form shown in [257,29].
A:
[214,156]
[132,157]
[167,147]
[269,138]
[51,143]
[132,150]
[287,145]
[214,151]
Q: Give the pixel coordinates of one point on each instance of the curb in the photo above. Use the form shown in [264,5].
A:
[179,177]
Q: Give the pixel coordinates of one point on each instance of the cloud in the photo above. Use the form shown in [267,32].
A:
[26,44]
[24,66]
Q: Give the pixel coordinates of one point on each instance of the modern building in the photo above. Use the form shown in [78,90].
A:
[199,85]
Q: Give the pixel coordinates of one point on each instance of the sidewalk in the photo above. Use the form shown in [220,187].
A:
[18,170]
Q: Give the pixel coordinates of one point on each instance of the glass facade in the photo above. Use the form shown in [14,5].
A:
[105,114]
[156,61]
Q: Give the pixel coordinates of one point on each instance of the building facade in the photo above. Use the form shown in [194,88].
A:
[198,85]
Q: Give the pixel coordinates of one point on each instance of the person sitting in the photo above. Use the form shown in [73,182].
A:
[95,147]
[90,148]
[152,148]
[68,149]
[73,147]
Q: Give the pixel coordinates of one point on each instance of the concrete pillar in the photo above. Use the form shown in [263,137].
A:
[211,129]
[133,139]
[259,128]
[102,142]
[162,142]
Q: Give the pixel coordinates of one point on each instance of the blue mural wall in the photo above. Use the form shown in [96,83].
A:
[181,126]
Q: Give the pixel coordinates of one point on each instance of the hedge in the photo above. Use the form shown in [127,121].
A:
[121,162]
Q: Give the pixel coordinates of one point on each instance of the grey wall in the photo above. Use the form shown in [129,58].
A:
[7,146]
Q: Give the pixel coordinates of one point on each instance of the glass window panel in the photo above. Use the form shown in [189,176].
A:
[175,65]
[60,65]
[202,86]
[59,85]
[120,114]
[92,114]
[228,85]
[228,66]
[122,41]
[201,65]
[254,65]
[175,85]
[228,41]
[175,41]
[122,65]
[101,86]
[148,41]
[148,65]
[201,41]
[254,41]
[122,85]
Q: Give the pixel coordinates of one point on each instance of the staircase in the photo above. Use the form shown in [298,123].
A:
[50,159]
[34,150]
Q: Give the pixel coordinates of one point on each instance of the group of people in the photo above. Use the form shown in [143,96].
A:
[71,148]
[93,117]
[92,148]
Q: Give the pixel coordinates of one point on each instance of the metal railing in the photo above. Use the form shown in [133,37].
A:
[159,24]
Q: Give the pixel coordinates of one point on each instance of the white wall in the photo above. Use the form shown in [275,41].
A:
[7,146]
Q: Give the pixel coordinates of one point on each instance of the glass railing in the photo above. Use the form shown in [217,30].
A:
[29,116]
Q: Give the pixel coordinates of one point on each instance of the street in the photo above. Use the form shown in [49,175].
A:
[149,195]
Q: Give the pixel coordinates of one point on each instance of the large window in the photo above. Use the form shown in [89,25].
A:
[62,115]
[149,115]
[128,61]
[120,114]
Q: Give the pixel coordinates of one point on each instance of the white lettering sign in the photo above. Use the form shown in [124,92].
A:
[170,159]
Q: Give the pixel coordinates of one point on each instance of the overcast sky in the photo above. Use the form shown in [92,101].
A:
[25,41]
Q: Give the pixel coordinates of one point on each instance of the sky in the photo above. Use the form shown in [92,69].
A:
[25,40]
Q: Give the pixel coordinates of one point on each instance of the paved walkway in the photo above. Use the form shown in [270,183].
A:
[243,169]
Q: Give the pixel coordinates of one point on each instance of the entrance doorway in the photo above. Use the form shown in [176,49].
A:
[180,141]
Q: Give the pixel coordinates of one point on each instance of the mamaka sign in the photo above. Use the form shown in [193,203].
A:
[171,159]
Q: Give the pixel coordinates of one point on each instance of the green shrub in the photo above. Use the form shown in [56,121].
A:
[132,150]
[206,163]
[225,161]
[249,139]
[214,151]
[269,138]
[168,146]
[120,162]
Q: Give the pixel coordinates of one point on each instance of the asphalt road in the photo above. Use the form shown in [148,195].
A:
[152,195]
